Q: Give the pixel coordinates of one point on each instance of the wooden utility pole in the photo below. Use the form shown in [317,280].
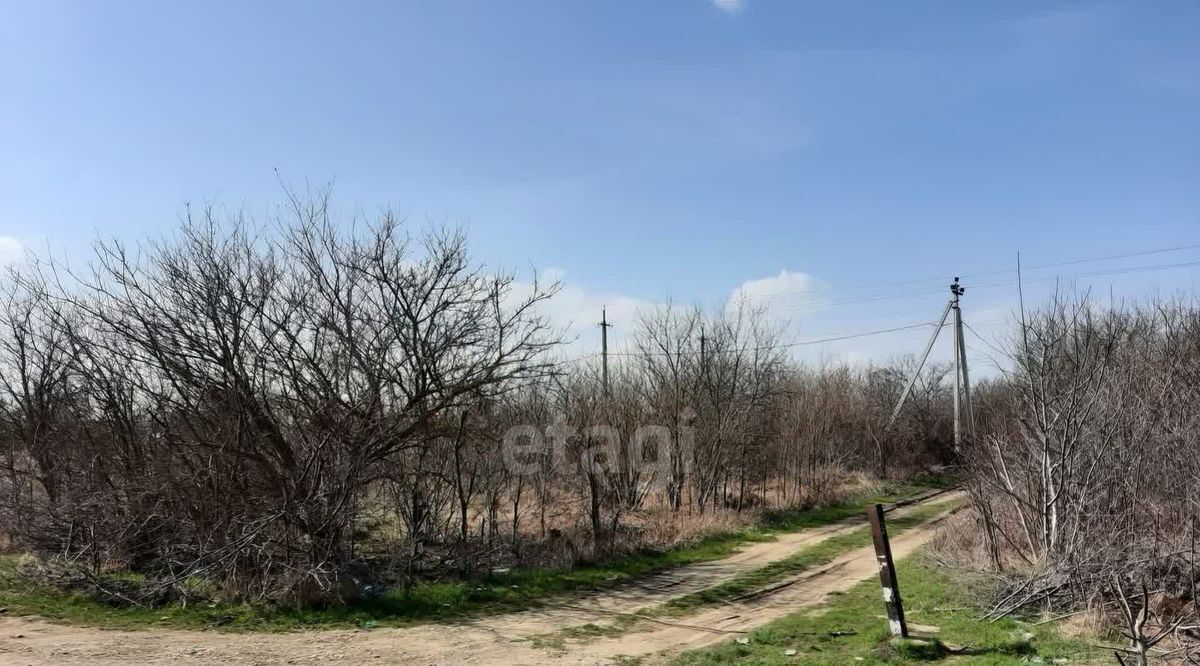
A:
[604,326]
[887,573]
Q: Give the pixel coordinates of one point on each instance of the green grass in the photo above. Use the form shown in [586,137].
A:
[558,640]
[791,520]
[851,630]
[431,600]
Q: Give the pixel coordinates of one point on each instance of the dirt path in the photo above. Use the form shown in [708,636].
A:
[492,640]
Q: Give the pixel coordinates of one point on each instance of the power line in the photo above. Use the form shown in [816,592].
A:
[990,285]
[1102,273]
[1110,257]
[929,280]
[786,345]
[910,294]
[984,340]
[984,353]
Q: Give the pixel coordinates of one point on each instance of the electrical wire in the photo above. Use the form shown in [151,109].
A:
[911,294]
[786,345]
[984,340]
[991,285]
[1009,271]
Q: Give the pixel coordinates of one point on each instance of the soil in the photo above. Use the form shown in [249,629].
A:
[499,639]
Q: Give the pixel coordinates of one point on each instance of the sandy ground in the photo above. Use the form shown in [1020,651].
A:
[501,639]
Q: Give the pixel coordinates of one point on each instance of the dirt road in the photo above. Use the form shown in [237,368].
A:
[501,639]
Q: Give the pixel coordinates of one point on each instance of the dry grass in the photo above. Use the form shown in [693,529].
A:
[568,540]
[1086,624]
[660,529]
[958,544]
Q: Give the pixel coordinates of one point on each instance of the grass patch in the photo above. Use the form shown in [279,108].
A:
[430,600]
[585,631]
[791,520]
[851,630]
[557,640]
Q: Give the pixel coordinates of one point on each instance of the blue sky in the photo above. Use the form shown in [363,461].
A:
[639,150]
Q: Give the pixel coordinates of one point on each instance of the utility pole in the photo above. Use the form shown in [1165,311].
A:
[962,378]
[962,381]
[604,326]
[961,361]
[956,290]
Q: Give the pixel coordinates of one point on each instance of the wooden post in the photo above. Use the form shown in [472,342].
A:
[604,326]
[887,572]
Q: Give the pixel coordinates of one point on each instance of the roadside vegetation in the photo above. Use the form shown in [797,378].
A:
[446,600]
[1085,474]
[312,412]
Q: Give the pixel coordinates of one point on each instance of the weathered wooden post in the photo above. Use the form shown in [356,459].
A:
[887,572]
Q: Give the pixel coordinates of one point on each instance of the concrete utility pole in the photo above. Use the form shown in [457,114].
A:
[962,381]
[955,291]
[960,360]
[604,326]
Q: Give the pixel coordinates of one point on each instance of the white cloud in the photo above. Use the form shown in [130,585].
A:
[785,283]
[730,6]
[785,296]
[11,250]
[576,310]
